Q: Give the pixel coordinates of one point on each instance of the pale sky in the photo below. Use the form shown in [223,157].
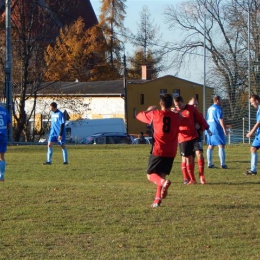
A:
[156,7]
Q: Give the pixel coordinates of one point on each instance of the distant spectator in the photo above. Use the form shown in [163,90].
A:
[141,139]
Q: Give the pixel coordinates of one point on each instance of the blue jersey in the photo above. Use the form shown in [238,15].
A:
[5,120]
[57,119]
[258,120]
[256,141]
[214,114]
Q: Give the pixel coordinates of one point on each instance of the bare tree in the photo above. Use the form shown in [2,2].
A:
[224,25]
[35,24]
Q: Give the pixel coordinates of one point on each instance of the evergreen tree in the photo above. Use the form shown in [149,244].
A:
[112,21]
[150,54]
[135,69]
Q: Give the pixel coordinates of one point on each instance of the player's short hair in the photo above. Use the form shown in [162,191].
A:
[178,99]
[54,105]
[196,102]
[166,100]
[255,97]
[216,98]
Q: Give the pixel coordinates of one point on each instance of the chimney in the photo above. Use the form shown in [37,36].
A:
[146,72]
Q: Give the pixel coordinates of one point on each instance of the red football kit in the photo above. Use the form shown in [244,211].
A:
[166,126]
[189,115]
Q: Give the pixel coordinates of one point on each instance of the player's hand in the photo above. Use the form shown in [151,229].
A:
[151,108]
[197,126]
[248,135]
[59,138]
[209,132]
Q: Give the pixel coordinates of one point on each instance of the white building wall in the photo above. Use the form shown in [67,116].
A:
[95,107]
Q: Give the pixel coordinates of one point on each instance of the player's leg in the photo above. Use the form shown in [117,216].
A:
[201,164]
[183,147]
[154,177]
[64,153]
[198,148]
[3,148]
[158,181]
[158,168]
[209,156]
[254,159]
[190,169]
[49,153]
[186,177]
[222,156]
[188,153]
[2,166]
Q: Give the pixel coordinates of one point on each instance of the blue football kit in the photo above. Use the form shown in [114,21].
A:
[57,129]
[5,120]
[214,114]
[256,143]
[57,119]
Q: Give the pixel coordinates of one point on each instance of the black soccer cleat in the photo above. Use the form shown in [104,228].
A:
[249,172]
[47,163]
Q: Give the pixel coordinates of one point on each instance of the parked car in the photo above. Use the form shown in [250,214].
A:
[78,129]
[106,138]
[149,140]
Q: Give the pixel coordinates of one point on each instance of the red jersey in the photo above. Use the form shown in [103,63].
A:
[165,126]
[188,117]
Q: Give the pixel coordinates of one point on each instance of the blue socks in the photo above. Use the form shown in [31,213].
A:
[221,153]
[2,170]
[65,155]
[49,154]
[254,160]
[209,156]
[222,156]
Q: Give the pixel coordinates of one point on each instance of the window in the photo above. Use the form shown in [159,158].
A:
[134,112]
[176,93]
[141,99]
[197,97]
[163,91]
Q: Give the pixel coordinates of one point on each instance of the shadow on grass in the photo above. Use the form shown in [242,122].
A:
[233,183]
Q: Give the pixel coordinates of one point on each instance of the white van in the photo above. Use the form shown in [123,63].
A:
[78,129]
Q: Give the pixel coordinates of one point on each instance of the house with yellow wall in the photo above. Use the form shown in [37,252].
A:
[107,99]
[144,93]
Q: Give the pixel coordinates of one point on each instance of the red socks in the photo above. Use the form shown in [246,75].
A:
[190,170]
[184,171]
[201,166]
[156,179]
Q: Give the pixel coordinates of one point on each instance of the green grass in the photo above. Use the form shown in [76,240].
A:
[98,207]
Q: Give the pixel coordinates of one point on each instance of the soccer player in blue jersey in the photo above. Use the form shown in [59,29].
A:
[57,134]
[5,123]
[218,130]
[255,102]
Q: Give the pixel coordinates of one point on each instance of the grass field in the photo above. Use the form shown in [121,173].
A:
[98,207]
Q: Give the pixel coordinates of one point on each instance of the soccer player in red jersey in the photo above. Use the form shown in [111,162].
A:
[189,139]
[165,133]
[200,126]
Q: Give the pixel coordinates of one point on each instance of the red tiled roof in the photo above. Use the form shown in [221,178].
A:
[62,12]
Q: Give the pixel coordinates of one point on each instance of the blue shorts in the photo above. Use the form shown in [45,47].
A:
[215,140]
[3,144]
[54,139]
[256,143]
